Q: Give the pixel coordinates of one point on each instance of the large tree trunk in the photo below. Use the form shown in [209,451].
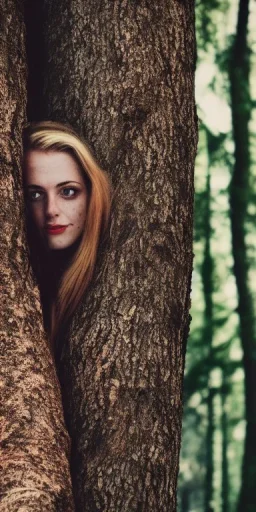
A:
[122,73]
[34,445]
[239,196]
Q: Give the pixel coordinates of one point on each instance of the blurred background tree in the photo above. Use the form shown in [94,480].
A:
[218,458]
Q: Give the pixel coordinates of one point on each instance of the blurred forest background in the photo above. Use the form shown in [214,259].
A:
[218,456]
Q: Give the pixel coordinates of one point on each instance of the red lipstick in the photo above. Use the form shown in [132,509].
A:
[55,229]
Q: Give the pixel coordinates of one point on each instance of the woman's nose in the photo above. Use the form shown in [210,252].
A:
[51,208]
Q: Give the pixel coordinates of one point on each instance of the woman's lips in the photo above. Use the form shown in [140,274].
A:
[55,230]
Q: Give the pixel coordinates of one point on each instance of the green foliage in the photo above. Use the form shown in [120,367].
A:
[214,369]
[205,21]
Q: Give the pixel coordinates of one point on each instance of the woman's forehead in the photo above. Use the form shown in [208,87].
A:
[50,167]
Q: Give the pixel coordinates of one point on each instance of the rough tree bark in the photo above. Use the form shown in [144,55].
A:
[34,444]
[122,73]
[239,198]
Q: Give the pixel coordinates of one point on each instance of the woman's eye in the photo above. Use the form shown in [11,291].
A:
[69,192]
[34,196]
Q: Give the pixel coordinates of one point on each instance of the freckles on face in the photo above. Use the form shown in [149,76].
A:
[56,195]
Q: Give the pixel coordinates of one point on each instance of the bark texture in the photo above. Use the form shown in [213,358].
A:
[34,444]
[122,73]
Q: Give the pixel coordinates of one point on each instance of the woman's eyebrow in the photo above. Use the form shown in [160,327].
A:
[34,186]
[66,183]
[58,185]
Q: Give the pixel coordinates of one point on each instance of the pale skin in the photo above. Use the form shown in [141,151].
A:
[56,195]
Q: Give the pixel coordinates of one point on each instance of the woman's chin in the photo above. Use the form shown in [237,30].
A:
[59,245]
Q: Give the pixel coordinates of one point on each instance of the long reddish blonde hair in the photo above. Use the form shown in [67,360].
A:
[50,135]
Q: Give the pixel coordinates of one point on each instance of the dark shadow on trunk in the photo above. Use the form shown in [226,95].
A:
[36,59]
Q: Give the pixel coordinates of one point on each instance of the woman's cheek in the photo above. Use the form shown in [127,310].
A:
[38,217]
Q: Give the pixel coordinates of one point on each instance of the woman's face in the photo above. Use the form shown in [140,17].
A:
[56,195]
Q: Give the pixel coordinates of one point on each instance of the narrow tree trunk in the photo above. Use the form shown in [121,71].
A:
[185,501]
[209,452]
[123,74]
[34,444]
[207,280]
[224,429]
[239,195]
